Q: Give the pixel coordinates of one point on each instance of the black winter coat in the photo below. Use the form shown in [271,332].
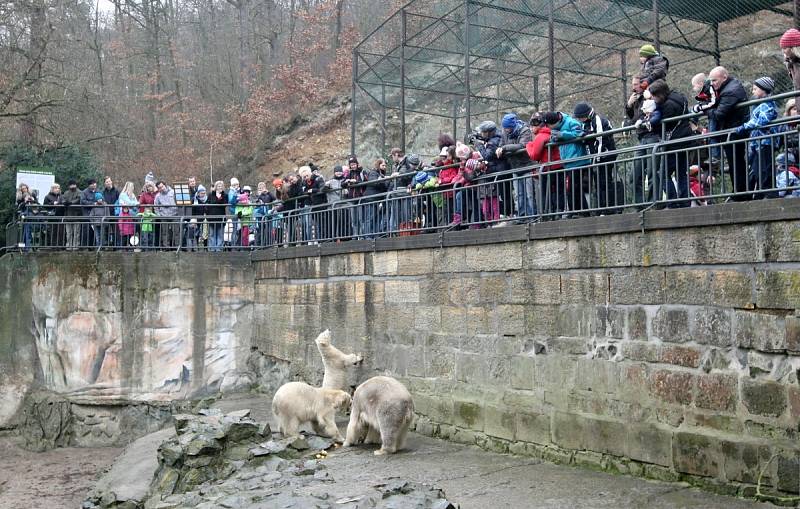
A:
[54,199]
[488,151]
[676,105]
[726,113]
[217,206]
[604,143]
[317,188]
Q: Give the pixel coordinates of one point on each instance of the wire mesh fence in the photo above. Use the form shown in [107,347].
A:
[445,66]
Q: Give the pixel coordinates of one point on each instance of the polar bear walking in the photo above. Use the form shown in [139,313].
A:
[335,361]
[381,413]
[296,403]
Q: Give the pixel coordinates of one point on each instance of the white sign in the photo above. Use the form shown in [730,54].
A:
[39,180]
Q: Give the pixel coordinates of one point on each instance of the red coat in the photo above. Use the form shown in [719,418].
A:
[146,199]
[446,178]
[539,152]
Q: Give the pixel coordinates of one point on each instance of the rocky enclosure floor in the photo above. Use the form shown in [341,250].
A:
[56,479]
[469,476]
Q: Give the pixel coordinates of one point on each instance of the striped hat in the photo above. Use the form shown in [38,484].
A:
[790,38]
[765,83]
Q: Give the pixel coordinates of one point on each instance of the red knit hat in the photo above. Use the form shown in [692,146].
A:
[790,38]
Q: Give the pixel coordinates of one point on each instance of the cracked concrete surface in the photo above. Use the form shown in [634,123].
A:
[469,476]
[477,479]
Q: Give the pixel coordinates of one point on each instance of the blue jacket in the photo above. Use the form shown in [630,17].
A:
[570,129]
[762,114]
[233,199]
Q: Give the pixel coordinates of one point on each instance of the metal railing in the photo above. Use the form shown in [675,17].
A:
[667,173]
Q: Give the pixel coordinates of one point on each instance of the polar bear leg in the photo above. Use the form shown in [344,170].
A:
[289,426]
[373,436]
[355,430]
[389,435]
[330,429]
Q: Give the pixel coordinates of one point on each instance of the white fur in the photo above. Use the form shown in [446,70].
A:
[335,361]
[296,403]
[381,412]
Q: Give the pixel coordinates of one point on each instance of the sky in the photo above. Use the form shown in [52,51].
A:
[106,6]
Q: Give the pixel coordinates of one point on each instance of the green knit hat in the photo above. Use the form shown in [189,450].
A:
[648,50]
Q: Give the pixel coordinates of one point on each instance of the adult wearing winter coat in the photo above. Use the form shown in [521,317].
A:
[217,204]
[517,134]
[540,151]
[110,196]
[728,115]
[400,203]
[167,211]
[487,142]
[54,233]
[672,104]
[602,174]
[790,45]
[565,130]
[71,199]
[93,210]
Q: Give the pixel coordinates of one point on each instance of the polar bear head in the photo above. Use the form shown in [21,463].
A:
[324,339]
[338,399]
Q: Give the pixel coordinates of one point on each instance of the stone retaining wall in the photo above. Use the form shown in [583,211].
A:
[672,353]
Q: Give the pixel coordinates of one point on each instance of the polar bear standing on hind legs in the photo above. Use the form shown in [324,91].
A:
[381,412]
[335,361]
[296,403]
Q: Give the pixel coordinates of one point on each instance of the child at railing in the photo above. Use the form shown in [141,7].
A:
[147,217]
[431,202]
[787,175]
[706,98]
[244,212]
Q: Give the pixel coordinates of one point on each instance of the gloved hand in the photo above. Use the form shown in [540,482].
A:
[638,124]
[697,108]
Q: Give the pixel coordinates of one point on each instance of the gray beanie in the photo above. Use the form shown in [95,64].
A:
[487,126]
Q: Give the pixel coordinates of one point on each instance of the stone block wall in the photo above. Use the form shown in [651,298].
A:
[673,354]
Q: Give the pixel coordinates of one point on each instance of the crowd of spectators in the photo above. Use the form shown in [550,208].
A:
[555,164]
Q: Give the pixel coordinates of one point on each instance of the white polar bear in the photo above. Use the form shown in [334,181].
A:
[296,403]
[335,361]
[381,412]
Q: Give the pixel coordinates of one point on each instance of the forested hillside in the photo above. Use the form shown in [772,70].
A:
[181,86]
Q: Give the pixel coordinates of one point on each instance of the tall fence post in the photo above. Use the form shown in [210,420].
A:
[623,66]
[467,92]
[551,53]
[353,104]
[403,80]
[383,119]
[656,27]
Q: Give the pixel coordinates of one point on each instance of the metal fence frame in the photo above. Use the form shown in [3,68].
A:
[559,193]
[474,49]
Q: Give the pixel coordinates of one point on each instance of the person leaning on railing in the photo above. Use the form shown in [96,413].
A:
[126,210]
[760,150]
[728,115]
[25,199]
[53,201]
[540,151]
[215,213]
[72,215]
[676,162]
[569,132]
